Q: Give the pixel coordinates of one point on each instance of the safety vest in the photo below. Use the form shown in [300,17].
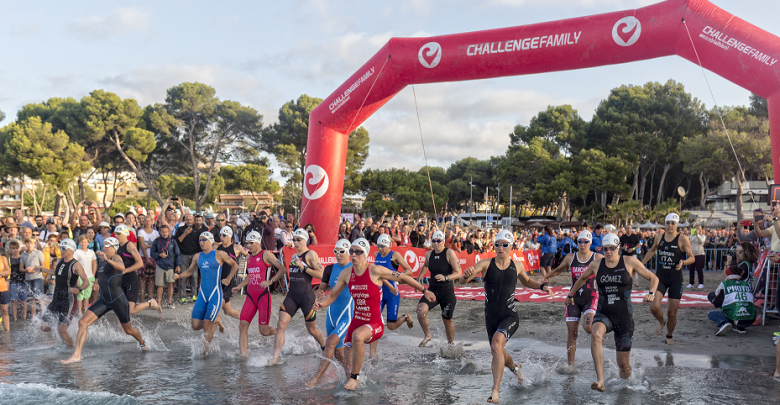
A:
[738,301]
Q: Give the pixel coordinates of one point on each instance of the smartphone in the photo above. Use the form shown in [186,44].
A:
[758,217]
[174,198]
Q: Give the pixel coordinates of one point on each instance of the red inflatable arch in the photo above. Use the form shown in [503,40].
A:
[726,45]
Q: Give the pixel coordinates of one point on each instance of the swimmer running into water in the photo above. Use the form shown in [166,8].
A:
[614,278]
[112,298]
[364,281]
[500,275]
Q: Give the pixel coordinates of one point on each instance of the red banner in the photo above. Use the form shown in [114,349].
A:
[416,257]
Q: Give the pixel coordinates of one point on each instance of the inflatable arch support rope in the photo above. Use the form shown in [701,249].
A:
[728,46]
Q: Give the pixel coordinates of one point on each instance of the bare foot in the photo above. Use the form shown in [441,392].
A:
[311,384]
[660,328]
[220,325]
[351,384]
[493,399]
[425,341]
[598,386]
[153,303]
[669,342]
[273,361]
[73,359]
[409,320]
[518,373]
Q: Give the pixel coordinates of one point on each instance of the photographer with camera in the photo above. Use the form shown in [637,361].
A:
[187,238]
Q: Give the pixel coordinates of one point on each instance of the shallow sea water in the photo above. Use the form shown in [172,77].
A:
[115,371]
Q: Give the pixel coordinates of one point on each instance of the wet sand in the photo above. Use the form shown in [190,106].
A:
[694,334]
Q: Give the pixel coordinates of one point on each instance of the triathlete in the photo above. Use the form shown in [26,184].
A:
[339,313]
[364,281]
[67,273]
[444,267]
[233,250]
[586,298]
[112,298]
[500,275]
[210,263]
[131,283]
[304,266]
[614,278]
[390,295]
[258,298]
[672,247]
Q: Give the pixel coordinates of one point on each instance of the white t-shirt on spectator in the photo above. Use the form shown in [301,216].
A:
[148,239]
[85,258]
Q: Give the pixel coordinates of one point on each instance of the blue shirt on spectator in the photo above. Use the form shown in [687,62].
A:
[595,245]
[549,243]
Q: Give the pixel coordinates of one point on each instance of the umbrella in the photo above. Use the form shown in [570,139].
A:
[537,225]
[646,225]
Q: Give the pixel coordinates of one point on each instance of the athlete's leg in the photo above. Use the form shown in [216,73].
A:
[243,337]
[587,321]
[358,352]
[449,330]
[671,316]
[314,331]
[571,340]
[62,329]
[6,321]
[229,311]
[422,318]
[655,309]
[406,318]
[499,362]
[88,319]
[130,330]
[622,361]
[327,354]
[281,327]
[597,351]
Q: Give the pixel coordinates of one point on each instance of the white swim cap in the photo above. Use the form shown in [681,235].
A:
[585,235]
[673,217]
[506,235]
[384,240]
[610,239]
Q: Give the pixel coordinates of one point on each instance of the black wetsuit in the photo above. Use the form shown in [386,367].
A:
[227,290]
[301,295]
[131,283]
[444,290]
[59,308]
[669,278]
[112,298]
[500,312]
[615,310]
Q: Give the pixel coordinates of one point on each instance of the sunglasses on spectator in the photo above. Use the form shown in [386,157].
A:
[356,252]
[610,248]
[583,241]
[437,240]
[220,220]
[289,227]
[501,244]
[339,251]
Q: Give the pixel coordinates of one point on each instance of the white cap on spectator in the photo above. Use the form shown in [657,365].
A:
[585,235]
[438,235]
[384,240]
[673,217]
[610,239]
[254,237]
[506,235]
[301,233]
[227,231]
[363,244]
[609,228]
[104,224]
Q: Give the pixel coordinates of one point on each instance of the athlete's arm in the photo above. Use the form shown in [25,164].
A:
[326,275]
[138,262]
[528,282]
[425,266]
[190,270]
[452,259]
[313,266]
[565,263]
[591,270]
[337,289]
[651,252]
[82,277]
[402,262]
[685,244]
[384,273]
[633,265]
[226,260]
[474,271]
[115,262]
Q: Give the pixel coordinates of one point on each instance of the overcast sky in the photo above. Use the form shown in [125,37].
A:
[264,53]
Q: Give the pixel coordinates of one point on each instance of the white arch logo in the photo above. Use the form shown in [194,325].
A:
[631,24]
[477,259]
[319,179]
[411,259]
[434,50]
